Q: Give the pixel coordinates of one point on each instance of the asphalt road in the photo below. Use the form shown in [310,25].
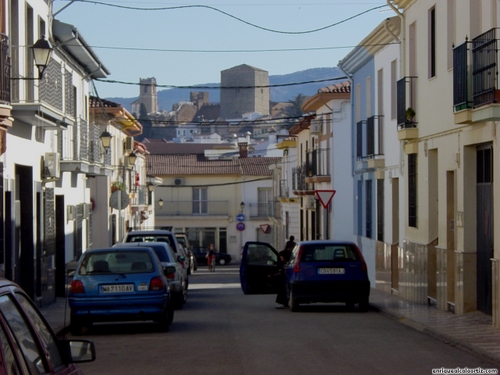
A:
[222,331]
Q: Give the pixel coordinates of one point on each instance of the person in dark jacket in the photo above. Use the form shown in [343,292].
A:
[280,276]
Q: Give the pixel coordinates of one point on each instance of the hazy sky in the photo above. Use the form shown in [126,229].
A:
[191,43]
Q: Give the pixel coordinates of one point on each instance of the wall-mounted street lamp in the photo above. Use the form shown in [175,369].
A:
[106,140]
[132,157]
[160,202]
[151,187]
[242,206]
[41,54]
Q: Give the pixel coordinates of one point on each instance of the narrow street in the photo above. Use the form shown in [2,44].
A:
[222,331]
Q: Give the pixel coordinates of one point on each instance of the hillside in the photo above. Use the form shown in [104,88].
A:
[168,97]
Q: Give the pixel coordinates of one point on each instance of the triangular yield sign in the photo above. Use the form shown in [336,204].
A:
[265,227]
[325,196]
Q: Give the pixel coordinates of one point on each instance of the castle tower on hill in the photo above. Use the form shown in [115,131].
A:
[249,91]
[147,96]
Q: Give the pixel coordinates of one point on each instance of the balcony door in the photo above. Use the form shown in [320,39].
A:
[200,201]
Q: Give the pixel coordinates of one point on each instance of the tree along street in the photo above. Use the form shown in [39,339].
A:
[222,331]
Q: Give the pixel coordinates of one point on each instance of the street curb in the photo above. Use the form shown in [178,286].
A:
[422,327]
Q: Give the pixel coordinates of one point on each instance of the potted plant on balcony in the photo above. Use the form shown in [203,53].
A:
[118,185]
[410,114]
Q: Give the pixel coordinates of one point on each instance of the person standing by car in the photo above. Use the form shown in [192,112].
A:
[280,279]
[290,244]
[211,257]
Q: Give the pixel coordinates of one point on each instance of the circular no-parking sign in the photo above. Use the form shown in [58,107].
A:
[240,226]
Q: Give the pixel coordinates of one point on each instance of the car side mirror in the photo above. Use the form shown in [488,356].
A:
[77,351]
[168,270]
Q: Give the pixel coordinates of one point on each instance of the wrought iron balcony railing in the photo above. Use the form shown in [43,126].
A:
[4,70]
[193,208]
[475,72]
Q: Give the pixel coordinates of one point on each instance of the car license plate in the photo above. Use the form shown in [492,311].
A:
[122,288]
[331,271]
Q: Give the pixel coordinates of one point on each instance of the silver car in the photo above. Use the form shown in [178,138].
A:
[177,282]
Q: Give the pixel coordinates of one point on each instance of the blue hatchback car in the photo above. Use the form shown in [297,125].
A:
[318,271]
[119,284]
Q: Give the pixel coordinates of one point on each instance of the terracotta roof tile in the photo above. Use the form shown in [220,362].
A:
[197,164]
[343,87]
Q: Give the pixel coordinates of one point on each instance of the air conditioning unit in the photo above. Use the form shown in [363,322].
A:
[70,213]
[129,144]
[310,202]
[87,209]
[315,127]
[51,166]
[178,181]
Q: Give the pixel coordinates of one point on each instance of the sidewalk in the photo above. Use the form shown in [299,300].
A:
[472,332]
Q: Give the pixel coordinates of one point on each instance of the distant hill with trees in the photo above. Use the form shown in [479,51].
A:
[285,90]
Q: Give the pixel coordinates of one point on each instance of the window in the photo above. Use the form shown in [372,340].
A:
[394,81]
[360,207]
[412,190]
[432,43]
[368,202]
[33,353]
[380,210]
[451,23]
[200,201]
[265,199]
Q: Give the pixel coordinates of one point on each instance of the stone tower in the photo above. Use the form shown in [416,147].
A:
[249,91]
[147,96]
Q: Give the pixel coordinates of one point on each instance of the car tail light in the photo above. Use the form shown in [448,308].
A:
[170,275]
[364,268]
[156,284]
[296,265]
[77,287]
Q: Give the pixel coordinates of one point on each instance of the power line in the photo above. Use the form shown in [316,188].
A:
[234,17]
[226,87]
[239,50]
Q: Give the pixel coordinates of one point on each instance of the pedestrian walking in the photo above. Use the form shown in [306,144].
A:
[211,257]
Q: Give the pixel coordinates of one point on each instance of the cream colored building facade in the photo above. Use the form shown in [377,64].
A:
[449,77]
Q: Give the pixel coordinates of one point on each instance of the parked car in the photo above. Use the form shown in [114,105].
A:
[28,344]
[318,271]
[119,284]
[220,258]
[160,235]
[176,281]
[183,239]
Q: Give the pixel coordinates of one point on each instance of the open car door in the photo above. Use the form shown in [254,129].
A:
[259,264]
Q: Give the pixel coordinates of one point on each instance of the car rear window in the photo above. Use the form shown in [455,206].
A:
[318,253]
[151,238]
[123,262]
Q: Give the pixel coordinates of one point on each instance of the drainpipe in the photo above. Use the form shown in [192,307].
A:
[402,57]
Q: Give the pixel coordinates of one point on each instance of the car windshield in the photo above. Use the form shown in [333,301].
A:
[121,262]
[339,253]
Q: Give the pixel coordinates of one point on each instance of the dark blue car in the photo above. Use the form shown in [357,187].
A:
[119,284]
[318,271]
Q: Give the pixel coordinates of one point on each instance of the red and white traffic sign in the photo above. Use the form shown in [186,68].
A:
[325,196]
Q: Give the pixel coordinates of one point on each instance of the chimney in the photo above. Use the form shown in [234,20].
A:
[243,149]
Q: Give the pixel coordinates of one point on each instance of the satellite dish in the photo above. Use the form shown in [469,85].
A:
[116,197]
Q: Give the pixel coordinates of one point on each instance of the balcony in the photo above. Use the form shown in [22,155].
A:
[194,209]
[83,154]
[317,166]
[370,143]
[476,89]
[42,102]
[406,93]
[299,184]
[264,210]
[5,98]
